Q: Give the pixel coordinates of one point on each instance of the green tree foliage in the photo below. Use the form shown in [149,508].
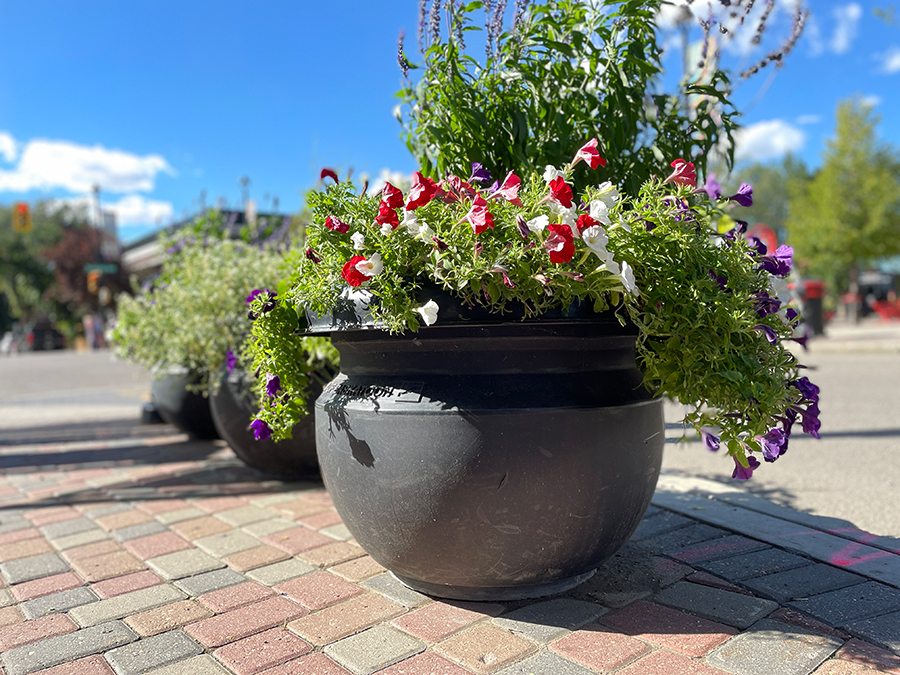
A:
[26,272]
[848,214]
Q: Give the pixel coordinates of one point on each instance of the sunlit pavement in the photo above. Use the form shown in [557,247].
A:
[128,548]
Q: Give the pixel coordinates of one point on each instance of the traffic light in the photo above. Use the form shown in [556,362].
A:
[21,217]
[93,281]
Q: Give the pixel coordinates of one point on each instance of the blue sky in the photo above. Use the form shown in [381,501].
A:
[161,101]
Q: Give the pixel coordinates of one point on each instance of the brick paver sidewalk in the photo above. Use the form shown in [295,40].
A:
[128,549]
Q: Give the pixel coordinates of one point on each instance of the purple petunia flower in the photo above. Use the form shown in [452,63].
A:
[809,418]
[808,390]
[480,174]
[230,361]
[765,304]
[745,473]
[774,444]
[273,385]
[709,439]
[778,264]
[261,430]
[522,226]
[721,280]
[758,245]
[744,195]
[712,187]
[770,334]
[791,314]
[268,306]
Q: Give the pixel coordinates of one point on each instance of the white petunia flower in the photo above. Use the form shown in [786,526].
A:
[429,312]
[567,216]
[410,222]
[370,267]
[538,224]
[359,240]
[551,173]
[780,288]
[596,239]
[599,211]
[386,229]
[608,194]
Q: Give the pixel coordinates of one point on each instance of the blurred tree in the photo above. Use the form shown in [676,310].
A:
[24,272]
[848,214]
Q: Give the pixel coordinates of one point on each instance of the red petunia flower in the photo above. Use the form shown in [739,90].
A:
[589,154]
[510,189]
[422,191]
[352,275]
[684,174]
[479,216]
[561,192]
[392,196]
[386,214]
[336,225]
[560,244]
[584,222]
[329,173]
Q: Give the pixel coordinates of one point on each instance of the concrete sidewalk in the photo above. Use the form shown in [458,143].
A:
[130,549]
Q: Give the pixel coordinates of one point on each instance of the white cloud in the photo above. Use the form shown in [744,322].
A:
[808,119]
[871,100]
[768,140]
[8,147]
[138,210]
[48,165]
[847,18]
[890,60]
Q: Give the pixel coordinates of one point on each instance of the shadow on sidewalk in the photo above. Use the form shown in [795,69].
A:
[74,432]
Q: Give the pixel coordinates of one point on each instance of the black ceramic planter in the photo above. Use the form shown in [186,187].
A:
[186,410]
[233,407]
[490,462]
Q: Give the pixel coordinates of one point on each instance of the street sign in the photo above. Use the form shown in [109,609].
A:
[103,268]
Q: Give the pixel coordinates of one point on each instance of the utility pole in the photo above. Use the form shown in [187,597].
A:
[98,223]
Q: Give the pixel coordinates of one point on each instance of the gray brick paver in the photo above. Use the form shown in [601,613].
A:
[58,602]
[684,536]
[184,563]
[756,564]
[245,515]
[34,567]
[883,630]
[136,531]
[802,582]
[126,604]
[733,609]
[373,649]
[197,665]
[545,663]
[153,652]
[65,648]
[281,572]
[210,581]
[551,619]
[774,647]
[170,517]
[388,585]
[226,543]
[264,528]
[68,527]
[847,605]
[659,522]
[80,539]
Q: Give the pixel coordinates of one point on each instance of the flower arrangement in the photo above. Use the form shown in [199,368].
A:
[710,305]
[194,316]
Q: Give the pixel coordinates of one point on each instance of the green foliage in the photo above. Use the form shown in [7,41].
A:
[849,212]
[562,71]
[698,343]
[196,310]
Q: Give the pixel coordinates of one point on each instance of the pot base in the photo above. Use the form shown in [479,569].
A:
[494,593]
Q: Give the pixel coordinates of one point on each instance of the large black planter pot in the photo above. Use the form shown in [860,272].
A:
[490,462]
[186,410]
[233,408]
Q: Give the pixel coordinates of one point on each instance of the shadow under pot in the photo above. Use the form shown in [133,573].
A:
[234,407]
[187,410]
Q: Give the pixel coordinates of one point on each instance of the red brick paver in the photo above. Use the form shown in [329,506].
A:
[428,663]
[261,651]
[685,633]
[601,650]
[116,521]
[227,599]
[436,621]
[244,622]
[107,566]
[358,569]
[663,662]
[19,535]
[314,664]
[867,654]
[53,514]
[196,528]
[130,582]
[24,549]
[332,554]
[156,545]
[27,632]
[255,557]
[41,587]
[320,520]
[91,550]
[298,539]
[318,590]
[92,665]
[10,616]
[298,509]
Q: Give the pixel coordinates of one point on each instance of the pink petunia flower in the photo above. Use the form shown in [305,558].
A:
[684,174]
[589,154]
[509,190]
